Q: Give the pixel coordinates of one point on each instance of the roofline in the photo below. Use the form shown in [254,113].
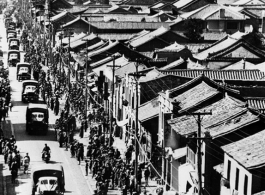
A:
[235,45]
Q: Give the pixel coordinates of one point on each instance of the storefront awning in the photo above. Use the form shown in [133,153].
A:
[122,123]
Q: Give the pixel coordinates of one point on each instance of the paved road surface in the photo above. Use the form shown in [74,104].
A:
[15,124]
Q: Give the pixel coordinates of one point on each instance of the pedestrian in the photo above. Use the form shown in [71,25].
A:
[9,159]
[146,175]
[14,171]
[86,167]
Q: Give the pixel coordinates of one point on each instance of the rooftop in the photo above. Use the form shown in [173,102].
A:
[249,151]
[223,111]
[149,110]
[218,74]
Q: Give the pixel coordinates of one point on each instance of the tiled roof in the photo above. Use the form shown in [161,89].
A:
[138,35]
[195,47]
[248,2]
[151,88]
[223,111]
[220,45]
[173,64]
[242,64]
[82,41]
[149,110]
[162,13]
[181,3]
[77,9]
[219,74]
[116,36]
[75,20]
[110,45]
[195,96]
[257,104]
[212,11]
[148,37]
[60,15]
[128,68]
[256,11]
[150,75]
[130,25]
[260,66]
[139,2]
[249,151]
[130,18]
[95,46]
[232,124]
[194,65]
[149,54]
[74,38]
[107,60]
[213,36]
[175,47]
[260,193]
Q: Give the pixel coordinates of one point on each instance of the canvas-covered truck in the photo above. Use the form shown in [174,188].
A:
[48,179]
[37,119]
[13,57]
[23,71]
[30,91]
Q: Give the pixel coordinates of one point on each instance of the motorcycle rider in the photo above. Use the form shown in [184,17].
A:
[26,161]
[46,150]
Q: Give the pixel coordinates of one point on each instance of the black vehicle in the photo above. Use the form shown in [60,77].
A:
[13,57]
[30,91]
[7,20]
[37,119]
[13,44]
[23,71]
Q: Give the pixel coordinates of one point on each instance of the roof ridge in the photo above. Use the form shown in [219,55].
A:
[234,45]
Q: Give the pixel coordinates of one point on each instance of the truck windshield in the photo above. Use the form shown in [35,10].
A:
[44,182]
[53,182]
[30,88]
[23,69]
[37,116]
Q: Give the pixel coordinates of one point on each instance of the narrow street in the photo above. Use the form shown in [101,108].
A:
[75,183]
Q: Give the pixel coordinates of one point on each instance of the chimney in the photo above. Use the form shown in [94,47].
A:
[222,13]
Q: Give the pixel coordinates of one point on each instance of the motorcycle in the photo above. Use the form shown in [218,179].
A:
[46,157]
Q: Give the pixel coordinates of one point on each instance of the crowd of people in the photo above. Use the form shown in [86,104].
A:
[110,168]
[12,156]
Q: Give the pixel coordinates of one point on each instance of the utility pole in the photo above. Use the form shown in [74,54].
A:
[137,76]
[60,59]
[199,138]
[112,96]
[86,93]
[69,30]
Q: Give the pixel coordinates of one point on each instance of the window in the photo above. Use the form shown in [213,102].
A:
[237,179]
[246,185]
[228,170]
[231,25]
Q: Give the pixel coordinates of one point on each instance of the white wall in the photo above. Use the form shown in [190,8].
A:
[242,173]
